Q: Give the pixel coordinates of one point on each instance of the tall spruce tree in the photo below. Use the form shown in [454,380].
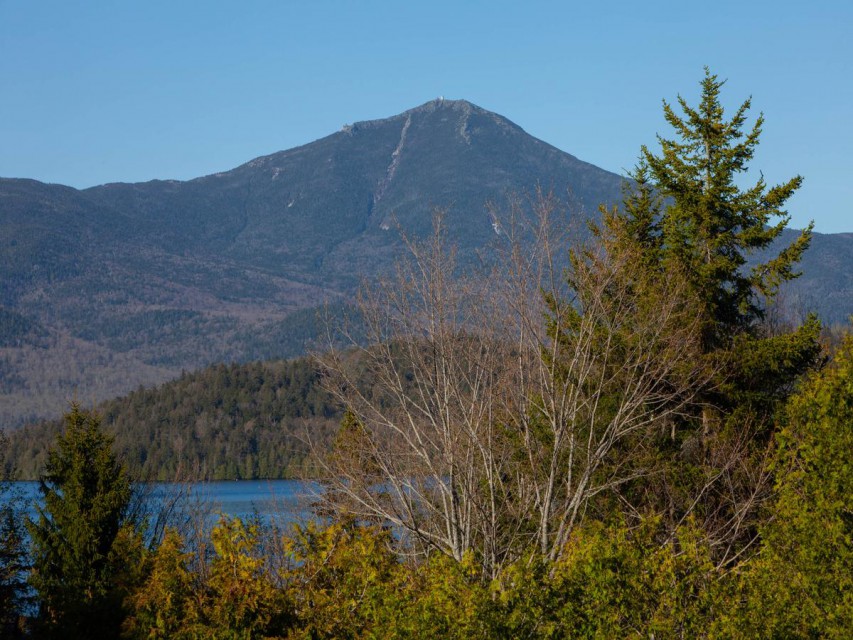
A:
[708,228]
[77,537]
[690,218]
[712,225]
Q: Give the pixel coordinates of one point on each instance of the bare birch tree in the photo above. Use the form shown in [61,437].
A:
[606,356]
[489,410]
[421,447]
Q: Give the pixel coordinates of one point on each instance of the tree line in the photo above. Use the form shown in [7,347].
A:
[221,423]
[624,447]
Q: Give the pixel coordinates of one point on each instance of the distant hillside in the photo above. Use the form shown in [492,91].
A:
[826,283]
[226,422]
[119,285]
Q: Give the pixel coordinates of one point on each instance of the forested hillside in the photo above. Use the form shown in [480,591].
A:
[224,422]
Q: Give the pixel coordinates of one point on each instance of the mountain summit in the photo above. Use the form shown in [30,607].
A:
[323,210]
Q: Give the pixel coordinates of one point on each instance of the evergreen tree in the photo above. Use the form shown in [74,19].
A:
[711,225]
[81,532]
[691,219]
[13,560]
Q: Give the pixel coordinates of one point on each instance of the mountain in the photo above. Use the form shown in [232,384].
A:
[121,285]
[826,283]
[126,284]
[321,212]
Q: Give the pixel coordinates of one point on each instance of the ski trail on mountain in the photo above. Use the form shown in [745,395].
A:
[395,162]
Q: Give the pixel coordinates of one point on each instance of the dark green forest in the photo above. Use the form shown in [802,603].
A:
[633,446]
[222,423]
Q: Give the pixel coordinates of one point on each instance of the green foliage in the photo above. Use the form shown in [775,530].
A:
[612,582]
[443,599]
[801,584]
[235,599]
[345,580]
[241,600]
[349,582]
[712,224]
[13,557]
[768,367]
[158,609]
[341,579]
[689,216]
[709,227]
[82,540]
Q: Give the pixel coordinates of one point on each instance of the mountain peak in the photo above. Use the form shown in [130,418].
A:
[446,103]
[457,108]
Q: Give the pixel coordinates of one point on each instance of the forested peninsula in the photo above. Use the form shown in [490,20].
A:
[225,422]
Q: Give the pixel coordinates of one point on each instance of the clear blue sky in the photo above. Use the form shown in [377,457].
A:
[96,92]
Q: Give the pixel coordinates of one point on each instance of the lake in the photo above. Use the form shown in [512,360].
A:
[281,501]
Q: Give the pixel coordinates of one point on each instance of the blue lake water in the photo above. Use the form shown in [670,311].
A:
[281,501]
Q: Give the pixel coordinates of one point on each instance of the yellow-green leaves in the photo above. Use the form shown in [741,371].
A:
[801,584]
[235,599]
